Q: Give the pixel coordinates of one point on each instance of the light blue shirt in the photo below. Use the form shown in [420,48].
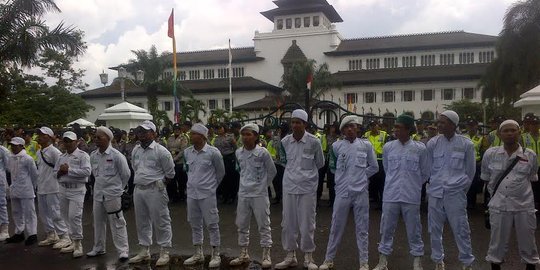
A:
[79,167]
[257,170]
[407,169]
[353,163]
[453,165]
[155,163]
[205,170]
[303,160]
[112,173]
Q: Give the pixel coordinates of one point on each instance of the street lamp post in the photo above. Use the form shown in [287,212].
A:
[122,74]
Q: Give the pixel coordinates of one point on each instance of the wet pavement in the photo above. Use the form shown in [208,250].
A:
[18,256]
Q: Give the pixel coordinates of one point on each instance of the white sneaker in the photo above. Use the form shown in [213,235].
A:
[309,263]
[266,260]
[364,266]
[64,242]
[4,233]
[198,257]
[439,266]
[163,257]
[289,261]
[215,260]
[327,264]
[51,239]
[77,249]
[417,264]
[143,255]
[242,258]
[68,249]
[383,263]
[95,253]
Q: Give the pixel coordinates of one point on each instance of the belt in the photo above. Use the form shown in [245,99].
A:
[71,185]
[148,186]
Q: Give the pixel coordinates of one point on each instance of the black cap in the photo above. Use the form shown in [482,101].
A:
[530,117]
[176,126]
[498,119]
[471,121]
[131,130]
[236,124]
[372,122]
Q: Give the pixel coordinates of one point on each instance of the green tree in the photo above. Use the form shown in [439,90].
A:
[294,79]
[59,66]
[517,67]
[24,34]
[192,108]
[238,115]
[218,116]
[465,108]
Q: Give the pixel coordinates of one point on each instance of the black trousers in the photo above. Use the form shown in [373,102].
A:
[376,184]
[231,181]
[476,187]
[322,176]
[278,181]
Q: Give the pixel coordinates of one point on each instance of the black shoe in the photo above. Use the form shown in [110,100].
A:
[16,238]
[32,239]
[495,266]
[530,267]
[276,201]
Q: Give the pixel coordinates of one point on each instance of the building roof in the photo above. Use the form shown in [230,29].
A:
[413,42]
[271,102]
[531,97]
[412,74]
[294,7]
[293,54]
[241,84]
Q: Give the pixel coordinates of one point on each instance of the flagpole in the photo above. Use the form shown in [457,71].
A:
[230,80]
[170,33]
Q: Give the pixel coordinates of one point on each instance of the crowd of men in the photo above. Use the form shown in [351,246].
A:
[393,167]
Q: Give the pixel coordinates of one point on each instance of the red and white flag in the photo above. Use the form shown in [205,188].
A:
[309,81]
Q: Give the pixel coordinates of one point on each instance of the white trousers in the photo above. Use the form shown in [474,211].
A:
[389,219]
[260,207]
[501,229]
[71,207]
[49,213]
[152,212]
[4,219]
[452,207]
[359,202]
[24,216]
[299,212]
[116,222]
[204,212]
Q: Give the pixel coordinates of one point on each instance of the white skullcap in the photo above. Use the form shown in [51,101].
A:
[148,125]
[348,120]
[452,116]
[253,127]
[107,131]
[17,141]
[509,122]
[300,114]
[70,135]
[46,131]
[200,129]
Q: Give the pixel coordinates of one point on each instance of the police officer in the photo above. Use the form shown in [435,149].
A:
[512,204]
[48,190]
[531,140]
[302,153]
[377,138]
[23,182]
[205,170]
[452,171]
[257,170]
[407,169]
[176,143]
[72,170]
[353,160]
[153,166]
[477,184]
[112,173]
[4,220]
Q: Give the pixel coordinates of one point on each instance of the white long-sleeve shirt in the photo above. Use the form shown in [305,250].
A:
[4,160]
[47,182]
[79,167]
[353,163]
[303,160]
[453,165]
[155,163]
[23,175]
[112,173]
[407,169]
[257,170]
[205,170]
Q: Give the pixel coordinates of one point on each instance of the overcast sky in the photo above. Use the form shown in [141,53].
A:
[115,27]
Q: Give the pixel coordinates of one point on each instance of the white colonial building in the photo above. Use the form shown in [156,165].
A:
[387,74]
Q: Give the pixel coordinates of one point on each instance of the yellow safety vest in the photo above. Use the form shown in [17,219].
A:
[271,149]
[477,141]
[32,148]
[377,141]
[494,139]
[528,141]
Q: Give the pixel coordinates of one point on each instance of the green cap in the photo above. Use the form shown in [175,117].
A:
[406,120]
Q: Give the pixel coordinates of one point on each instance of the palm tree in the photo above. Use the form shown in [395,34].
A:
[218,116]
[517,67]
[238,115]
[24,34]
[193,107]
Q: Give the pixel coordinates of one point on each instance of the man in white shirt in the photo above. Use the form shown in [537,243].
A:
[153,166]
[302,153]
[4,219]
[205,170]
[47,189]
[512,205]
[353,160]
[257,170]
[407,168]
[72,170]
[111,171]
[453,166]
[23,182]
